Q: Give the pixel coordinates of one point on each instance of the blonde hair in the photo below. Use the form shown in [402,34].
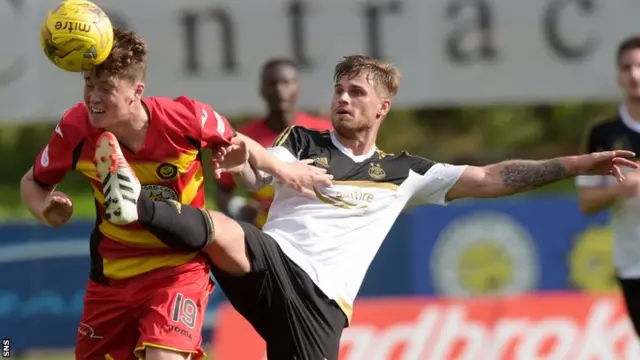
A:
[383,74]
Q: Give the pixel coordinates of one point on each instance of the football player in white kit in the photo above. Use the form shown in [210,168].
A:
[599,192]
[296,280]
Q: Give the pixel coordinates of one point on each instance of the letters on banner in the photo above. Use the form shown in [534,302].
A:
[544,326]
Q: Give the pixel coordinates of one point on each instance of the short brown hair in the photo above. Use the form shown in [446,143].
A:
[383,74]
[128,58]
[630,43]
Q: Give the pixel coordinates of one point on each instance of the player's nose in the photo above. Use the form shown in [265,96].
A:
[343,100]
[93,100]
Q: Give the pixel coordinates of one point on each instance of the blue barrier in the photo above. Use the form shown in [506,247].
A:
[466,248]
[509,246]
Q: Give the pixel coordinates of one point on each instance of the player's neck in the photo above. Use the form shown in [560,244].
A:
[359,144]
[278,121]
[133,131]
[633,108]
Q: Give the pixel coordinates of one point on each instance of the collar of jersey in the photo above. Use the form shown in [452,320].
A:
[626,118]
[344,150]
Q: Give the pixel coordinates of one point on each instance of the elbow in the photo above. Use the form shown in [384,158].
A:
[26,184]
[586,207]
[587,210]
[493,186]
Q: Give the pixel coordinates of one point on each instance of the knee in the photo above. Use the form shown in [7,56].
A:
[227,250]
[227,232]
[152,353]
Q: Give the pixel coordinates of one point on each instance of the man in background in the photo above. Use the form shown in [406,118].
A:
[279,87]
[600,192]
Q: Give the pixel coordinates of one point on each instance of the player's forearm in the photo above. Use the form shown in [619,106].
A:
[263,164]
[251,178]
[514,176]
[33,195]
[592,200]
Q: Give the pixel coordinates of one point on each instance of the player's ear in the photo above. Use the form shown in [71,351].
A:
[384,108]
[139,92]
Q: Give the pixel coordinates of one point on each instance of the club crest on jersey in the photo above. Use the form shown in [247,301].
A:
[376,172]
[167,171]
[159,192]
[321,162]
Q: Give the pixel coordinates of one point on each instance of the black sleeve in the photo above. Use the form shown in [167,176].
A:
[420,165]
[295,139]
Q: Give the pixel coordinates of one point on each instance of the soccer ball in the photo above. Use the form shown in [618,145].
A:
[76,35]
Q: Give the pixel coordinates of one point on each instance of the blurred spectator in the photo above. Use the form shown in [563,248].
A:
[279,87]
[597,193]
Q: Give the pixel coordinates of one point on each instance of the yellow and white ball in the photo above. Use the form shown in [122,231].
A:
[76,35]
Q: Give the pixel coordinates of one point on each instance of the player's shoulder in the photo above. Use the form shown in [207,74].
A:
[77,114]
[185,102]
[180,103]
[312,133]
[312,137]
[606,126]
[406,161]
[74,122]
[182,112]
[171,106]
[303,136]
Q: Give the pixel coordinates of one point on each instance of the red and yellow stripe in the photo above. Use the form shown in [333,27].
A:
[131,250]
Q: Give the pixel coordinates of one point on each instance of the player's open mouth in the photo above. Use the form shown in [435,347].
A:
[96,111]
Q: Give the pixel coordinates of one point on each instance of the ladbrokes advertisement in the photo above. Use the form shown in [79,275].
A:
[558,326]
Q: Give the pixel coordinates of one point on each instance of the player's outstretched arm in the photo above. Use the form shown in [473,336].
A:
[247,161]
[261,167]
[515,176]
[257,166]
[50,207]
[33,195]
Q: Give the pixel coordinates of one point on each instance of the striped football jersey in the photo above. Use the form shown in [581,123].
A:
[169,166]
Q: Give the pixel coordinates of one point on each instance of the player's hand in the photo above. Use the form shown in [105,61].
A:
[58,209]
[303,177]
[231,158]
[606,163]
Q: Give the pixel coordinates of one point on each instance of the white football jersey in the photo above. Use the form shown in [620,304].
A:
[335,236]
[620,133]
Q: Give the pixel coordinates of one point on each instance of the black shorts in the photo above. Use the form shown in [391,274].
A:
[631,292]
[295,318]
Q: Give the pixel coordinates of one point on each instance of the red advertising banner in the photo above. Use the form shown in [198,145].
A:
[532,327]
